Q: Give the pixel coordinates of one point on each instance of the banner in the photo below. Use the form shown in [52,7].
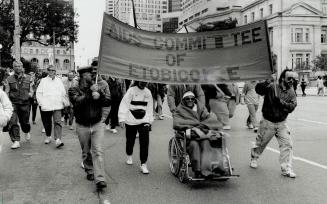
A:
[239,54]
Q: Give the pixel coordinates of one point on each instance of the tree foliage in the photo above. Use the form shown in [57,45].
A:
[39,18]
[320,63]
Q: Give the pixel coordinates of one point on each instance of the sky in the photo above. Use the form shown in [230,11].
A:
[89,19]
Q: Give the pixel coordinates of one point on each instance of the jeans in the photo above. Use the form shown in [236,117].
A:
[34,106]
[46,117]
[113,115]
[252,119]
[280,130]
[143,131]
[90,139]
[69,115]
[21,113]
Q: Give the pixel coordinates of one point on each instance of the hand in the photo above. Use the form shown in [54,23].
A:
[94,88]
[122,124]
[95,95]
[148,125]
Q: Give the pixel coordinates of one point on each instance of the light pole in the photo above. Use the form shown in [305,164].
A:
[0,54]
[17,31]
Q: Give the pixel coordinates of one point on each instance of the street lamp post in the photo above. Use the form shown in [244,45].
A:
[17,31]
[0,54]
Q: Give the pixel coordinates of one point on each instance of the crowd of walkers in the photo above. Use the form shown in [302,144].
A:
[98,103]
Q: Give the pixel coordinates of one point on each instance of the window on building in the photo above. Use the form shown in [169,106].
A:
[37,51]
[298,60]
[204,10]
[270,9]
[307,35]
[31,51]
[66,64]
[307,59]
[298,35]
[245,19]
[324,34]
[252,16]
[58,52]
[261,13]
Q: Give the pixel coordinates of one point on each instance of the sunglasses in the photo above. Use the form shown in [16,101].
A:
[189,99]
[288,79]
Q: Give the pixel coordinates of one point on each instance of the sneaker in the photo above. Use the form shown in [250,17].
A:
[129,160]
[15,145]
[71,127]
[289,173]
[107,127]
[28,136]
[90,177]
[101,185]
[47,140]
[255,129]
[59,143]
[161,117]
[43,130]
[254,163]
[62,119]
[113,131]
[82,165]
[226,127]
[250,126]
[144,169]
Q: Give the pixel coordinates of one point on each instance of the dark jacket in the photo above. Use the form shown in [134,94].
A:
[276,108]
[19,90]
[87,111]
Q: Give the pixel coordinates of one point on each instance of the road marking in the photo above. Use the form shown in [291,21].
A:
[299,158]
[310,121]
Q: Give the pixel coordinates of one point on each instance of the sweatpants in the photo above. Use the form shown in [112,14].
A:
[131,131]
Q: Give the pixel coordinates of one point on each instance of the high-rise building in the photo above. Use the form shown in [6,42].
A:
[110,6]
[148,13]
[174,5]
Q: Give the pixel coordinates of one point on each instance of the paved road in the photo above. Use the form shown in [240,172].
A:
[38,173]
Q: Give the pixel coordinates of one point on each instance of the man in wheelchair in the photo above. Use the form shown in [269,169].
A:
[203,138]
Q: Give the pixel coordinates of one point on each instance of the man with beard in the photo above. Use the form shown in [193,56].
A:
[136,113]
[88,102]
[19,89]
[279,101]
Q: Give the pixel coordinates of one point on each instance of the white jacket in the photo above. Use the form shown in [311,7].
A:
[6,109]
[50,94]
[136,95]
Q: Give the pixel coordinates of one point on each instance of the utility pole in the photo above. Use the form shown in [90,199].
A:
[54,49]
[17,31]
[134,15]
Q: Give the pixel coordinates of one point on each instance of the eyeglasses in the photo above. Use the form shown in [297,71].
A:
[189,99]
[288,79]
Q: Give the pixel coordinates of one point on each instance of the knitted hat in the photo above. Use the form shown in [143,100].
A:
[188,93]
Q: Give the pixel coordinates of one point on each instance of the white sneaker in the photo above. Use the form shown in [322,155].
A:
[15,145]
[27,136]
[129,160]
[254,163]
[289,173]
[59,143]
[47,140]
[227,127]
[161,117]
[113,131]
[250,126]
[43,130]
[107,127]
[144,169]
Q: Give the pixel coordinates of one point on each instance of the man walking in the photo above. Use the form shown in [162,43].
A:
[51,97]
[19,89]
[88,102]
[320,86]
[68,111]
[279,101]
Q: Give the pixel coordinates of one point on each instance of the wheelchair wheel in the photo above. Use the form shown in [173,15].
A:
[174,156]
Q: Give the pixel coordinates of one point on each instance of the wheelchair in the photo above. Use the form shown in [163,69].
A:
[180,164]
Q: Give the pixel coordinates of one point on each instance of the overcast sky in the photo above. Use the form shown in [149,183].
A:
[90,14]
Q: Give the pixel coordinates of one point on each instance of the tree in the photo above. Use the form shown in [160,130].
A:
[38,18]
[320,63]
